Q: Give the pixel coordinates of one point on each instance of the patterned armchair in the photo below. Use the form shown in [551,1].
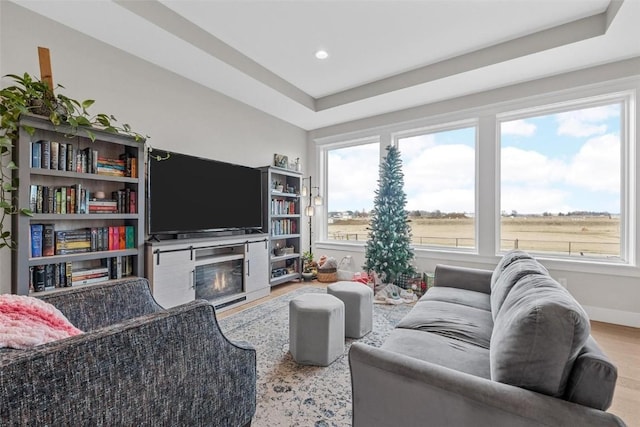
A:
[136,364]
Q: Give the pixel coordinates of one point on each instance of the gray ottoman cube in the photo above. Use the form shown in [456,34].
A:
[358,303]
[316,329]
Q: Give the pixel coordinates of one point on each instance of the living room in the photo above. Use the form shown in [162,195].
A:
[180,111]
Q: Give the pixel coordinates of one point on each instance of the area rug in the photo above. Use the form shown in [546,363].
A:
[289,394]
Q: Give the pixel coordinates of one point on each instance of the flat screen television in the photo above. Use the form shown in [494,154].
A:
[188,194]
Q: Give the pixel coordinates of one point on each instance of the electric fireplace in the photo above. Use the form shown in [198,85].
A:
[220,278]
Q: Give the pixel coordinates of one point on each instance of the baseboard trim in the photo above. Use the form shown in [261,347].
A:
[617,317]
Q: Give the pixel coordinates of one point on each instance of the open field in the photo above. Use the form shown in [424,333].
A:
[574,235]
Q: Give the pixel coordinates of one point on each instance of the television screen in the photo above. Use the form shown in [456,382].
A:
[190,194]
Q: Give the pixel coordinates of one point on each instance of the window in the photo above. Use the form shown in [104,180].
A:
[352,176]
[439,180]
[560,181]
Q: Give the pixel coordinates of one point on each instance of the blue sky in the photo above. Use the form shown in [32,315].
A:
[550,163]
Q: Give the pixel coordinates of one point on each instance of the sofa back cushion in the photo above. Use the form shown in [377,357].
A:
[508,277]
[537,336]
[592,379]
[508,258]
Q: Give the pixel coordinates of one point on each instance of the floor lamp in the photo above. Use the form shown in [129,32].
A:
[313,201]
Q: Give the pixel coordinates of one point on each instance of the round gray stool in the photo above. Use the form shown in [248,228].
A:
[358,303]
[316,329]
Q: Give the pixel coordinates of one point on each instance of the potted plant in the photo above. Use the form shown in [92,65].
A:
[309,266]
[28,95]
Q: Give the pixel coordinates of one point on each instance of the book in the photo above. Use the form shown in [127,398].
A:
[90,281]
[69,272]
[63,200]
[122,237]
[71,157]
[116,267]
[49,277]
[103,202]
[62,153]
[48,240]
[36,240]
[130,237]
[77,244]
[133,202]
[38,278]
[36,154]
[55,156]
[89,271]
[89,276]
[112,239]
[33,199]
[45,160]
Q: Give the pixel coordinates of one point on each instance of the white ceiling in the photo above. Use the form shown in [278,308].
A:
[384,55]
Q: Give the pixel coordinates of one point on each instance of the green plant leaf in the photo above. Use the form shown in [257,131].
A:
[26,212]
[87,103]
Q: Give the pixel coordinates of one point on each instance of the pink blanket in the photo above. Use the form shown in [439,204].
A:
[28,321]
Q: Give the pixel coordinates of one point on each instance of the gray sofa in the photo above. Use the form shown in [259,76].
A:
[508,347]
[137,364]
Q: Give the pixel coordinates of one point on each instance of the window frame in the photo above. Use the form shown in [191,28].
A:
[321,225]
[484,108]
[472,122]
[626,99]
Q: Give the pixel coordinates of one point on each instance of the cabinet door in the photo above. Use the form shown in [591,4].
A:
[257,267]
[173,278]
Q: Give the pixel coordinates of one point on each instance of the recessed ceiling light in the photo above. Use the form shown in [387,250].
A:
[322,54]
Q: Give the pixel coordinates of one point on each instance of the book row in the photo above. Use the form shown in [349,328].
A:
[64,274]
[283,207]
[281,227]
[46,241]
[76,199]
[66,157]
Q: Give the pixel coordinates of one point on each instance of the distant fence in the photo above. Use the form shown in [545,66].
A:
[563,247]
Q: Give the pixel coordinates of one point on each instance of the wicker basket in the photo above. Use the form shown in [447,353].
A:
[328,275]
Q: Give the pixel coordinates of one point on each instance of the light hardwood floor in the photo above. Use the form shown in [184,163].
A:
[620,343]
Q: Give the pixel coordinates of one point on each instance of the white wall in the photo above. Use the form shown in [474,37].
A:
[609,293]
[177,114]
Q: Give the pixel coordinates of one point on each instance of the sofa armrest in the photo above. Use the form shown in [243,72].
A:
[103,304]
[173,367]
[473,279]
[391,389]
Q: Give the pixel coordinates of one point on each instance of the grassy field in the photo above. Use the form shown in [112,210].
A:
[589,236]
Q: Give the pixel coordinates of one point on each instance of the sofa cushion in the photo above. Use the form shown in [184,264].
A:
[509,277]
[506,261]
[440,350]
[473,299]
[458,322]
[592,379]
[537,336]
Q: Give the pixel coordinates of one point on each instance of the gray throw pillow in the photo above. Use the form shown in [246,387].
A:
[537,336]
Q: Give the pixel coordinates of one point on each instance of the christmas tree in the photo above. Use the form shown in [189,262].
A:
[388,250]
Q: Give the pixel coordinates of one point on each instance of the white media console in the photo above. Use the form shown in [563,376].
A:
[227,270]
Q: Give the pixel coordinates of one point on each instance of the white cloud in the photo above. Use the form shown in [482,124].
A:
[445,200]
[518,127]
[442,166]
[527,199]
[352,178]
[586,122]
[596,167]
[526,166]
